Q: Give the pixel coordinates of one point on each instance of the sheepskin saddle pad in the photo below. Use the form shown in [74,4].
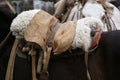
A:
[42,26]
[88,32]
[70,34]
[37,26]
[21,22]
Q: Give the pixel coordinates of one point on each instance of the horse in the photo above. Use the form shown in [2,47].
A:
[102,62]
[71,63]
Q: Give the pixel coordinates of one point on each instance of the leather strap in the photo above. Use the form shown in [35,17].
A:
[40,60]
[10,67]
[44,74]
[86,64]
[11,8]
[5,40]
[8,35]
[33,55]
[64,18]
[51,37]
[46,59]
[93,47]
[46,56]
[107,18]
[33,68]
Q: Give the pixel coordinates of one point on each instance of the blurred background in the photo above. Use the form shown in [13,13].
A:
[22,5]
[18,5]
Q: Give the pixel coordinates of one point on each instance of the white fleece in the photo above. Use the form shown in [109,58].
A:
[20,23]
[82,37]
[93,9]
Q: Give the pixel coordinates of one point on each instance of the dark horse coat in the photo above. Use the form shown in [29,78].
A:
[103,62]
[5,22]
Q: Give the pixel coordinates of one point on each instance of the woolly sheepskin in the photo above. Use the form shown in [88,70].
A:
[20,23]
[93,9]
[82,37]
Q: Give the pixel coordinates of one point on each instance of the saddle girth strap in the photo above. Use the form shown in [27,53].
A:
[86,64]
[32,52]
[46,56]
[44,73]
[10,67]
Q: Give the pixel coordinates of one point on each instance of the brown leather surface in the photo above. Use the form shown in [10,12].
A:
[64,37]
[40,28]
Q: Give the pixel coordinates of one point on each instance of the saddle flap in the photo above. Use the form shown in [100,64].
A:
[64,37]
[40,28]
